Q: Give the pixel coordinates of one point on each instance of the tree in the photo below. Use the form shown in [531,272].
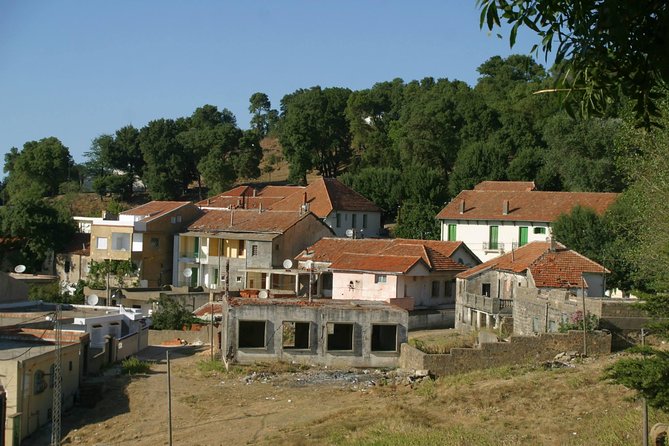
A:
[417,221]
[264,117]
[314,132]
[171,315]
[583,231]
[38,169]
[602,48]
[38,227]
[120,273]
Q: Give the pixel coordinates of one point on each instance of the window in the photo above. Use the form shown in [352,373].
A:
[67,266]
[492,240]
[178,218]
[39,383]
[452,233]
[364,221]
[485,289]
[384,338]
[435,288]
[254,250]
[241,248]
[338,217]
[296,335]
[276,247]
[340,337]
[238,279]
[251,334]
[535,325]
[380,278]
[539,230]
[101,243]
[120,241]
[522,235]
[449,286]
[354,217]
[155,242]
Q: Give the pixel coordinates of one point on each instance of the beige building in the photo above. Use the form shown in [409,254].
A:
[26,373]
[145,236]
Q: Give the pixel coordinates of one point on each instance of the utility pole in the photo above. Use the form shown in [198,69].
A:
[585,328]
[57,386]
[643,400]
[169,398]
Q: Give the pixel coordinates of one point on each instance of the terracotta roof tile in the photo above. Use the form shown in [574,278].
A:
[155,209]
[561,268]
[376,263]
[435,254]
[506,185]
[535,206]
[241,220]
[325,195]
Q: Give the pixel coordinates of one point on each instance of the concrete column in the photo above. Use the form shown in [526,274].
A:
[268,281]
[478,319]
[490,322]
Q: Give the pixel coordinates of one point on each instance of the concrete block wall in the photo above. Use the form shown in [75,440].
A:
[519,350]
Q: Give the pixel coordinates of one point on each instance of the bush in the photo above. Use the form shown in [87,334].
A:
[171,315]
[576,322]
[134,366]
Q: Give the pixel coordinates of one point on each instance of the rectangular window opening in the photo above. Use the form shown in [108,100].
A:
[539,230]
[340,337]
[296,335]
[101,243]
[155,242]
[492,241]
[452,233]
[251,334]
[364,221]
[435,288]
[485,289]
[338,217]
[254,250]
[380,278]
[384,338]
[354,217]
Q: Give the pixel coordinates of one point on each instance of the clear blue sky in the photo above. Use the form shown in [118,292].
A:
[78,69]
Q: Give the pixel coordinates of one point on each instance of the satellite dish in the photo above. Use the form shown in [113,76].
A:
[309,264]
[263,294]
[287,264]
[188,272]
[349,233]
[92,300]
[20,269]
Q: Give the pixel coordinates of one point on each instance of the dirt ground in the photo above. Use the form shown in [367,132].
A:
[284,404]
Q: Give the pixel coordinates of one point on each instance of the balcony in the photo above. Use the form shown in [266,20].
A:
[493,247]
[491,305]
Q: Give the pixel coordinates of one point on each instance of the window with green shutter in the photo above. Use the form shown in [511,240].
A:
[492,240]
[452,233]
[522,235]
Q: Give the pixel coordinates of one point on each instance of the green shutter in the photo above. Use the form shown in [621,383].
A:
[452,234]
[196,248]
[493,237]
[522,236]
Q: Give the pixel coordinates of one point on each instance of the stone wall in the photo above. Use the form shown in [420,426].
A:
[519,350]
[431,319]
[157,337]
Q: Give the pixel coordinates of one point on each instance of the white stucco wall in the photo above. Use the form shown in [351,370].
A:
[346,222]
[361,286]
[475,234]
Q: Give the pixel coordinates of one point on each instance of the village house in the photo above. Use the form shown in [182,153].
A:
[413,274]
[486,294]
[247,248]
[342,209]
[143,235]
[498,216]
[72,263]
[328,332]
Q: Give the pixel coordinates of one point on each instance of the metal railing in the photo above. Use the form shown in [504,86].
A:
[488,304]
[496,246]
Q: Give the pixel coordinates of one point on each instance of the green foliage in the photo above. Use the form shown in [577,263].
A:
[314,132]
[119,186]
[121,273]
[648,375]
[264,117]
[53,293]
[417,220]
[583,231]
[575,322]
[379,184]
[602,49]
[135,366]
[171,315]
[37,170]
[38,227]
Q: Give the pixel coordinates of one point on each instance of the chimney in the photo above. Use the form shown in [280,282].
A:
[260,208]
[304,197]
[254,191]
[462,207]
[232,215]
[553,246]
[505,207]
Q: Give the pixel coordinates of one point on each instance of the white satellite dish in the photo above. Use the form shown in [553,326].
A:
[20,269]
[263,294]
[349,233]
[287,264]
[188,272]
[309,264]
[92,300]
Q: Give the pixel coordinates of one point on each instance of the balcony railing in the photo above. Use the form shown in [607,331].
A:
[492,305]
[498,246]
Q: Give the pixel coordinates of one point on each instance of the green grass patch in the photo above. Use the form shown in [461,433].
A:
[135,366]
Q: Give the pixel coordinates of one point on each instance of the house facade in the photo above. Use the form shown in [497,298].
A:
[143,235]
[245,247]
[486,293]
[499,216]
[413,274]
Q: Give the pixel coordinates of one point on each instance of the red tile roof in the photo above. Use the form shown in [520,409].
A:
[562,268]
[435,254]
[241,220]
[532,206]
[325,195]
[376,263]
[155,209]
[506,185]
[247,197]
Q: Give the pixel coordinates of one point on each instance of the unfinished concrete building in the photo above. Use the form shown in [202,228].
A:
[325,332]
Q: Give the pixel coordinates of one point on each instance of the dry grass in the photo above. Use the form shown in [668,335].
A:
[441,341]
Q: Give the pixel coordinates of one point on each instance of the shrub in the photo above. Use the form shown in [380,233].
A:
[576,322]
[134,365]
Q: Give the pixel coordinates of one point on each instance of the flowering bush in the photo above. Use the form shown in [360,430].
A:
[575,322]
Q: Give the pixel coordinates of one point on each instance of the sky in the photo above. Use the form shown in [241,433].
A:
[78,69]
